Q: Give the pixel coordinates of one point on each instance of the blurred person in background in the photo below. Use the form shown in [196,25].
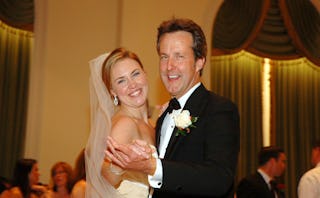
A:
[25,181]
[262,183]
[61,176]
[79,177]
[309,185]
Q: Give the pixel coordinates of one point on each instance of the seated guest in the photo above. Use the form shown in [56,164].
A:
[61,176]
[261,184]
[309,185]
[4,184]
[79,177]
[25,181]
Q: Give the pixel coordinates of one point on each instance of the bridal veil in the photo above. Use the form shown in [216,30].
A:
[102,109]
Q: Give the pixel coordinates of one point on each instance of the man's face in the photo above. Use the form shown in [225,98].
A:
[280,165]
[178,69]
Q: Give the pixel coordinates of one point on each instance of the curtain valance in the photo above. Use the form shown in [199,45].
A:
[277,29]
[18,13]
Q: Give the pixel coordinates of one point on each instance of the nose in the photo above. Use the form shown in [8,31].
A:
[132,83]
[171,63]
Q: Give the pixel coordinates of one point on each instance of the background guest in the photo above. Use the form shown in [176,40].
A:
[4,184]
[25,181]
[261,184]
[61,176]
[79,177]
[309,185]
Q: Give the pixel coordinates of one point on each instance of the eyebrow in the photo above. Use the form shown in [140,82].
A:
[122,77]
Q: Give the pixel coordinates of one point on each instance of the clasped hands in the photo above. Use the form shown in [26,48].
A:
[136,156]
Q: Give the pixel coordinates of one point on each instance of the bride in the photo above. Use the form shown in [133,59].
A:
[118,98]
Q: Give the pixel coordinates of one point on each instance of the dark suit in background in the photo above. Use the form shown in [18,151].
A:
[254,186]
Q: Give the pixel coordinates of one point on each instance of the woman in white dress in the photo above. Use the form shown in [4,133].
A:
[118,97]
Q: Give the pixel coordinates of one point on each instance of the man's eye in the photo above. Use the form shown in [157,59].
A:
[163,57]
[180,57]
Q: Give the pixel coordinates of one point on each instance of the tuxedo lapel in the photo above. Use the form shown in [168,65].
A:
[172,143]
[264,185]
[194,104]
[158,129]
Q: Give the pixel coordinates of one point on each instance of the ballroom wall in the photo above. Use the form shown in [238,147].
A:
[70,33]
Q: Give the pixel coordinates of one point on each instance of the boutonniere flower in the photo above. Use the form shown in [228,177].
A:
[183,122]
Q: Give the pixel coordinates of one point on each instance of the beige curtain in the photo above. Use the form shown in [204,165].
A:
[15,50]
[238,77]
[297,115]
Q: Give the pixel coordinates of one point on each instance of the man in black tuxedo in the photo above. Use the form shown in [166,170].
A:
[196,158]
[262,184]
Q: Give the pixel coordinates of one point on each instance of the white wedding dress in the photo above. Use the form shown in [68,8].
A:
[131,189]
[101,113]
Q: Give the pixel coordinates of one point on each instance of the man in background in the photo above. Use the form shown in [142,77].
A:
[261,184]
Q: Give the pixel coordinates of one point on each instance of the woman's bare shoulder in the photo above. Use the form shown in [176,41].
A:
[79,189]
[80,184]
[124,128]
[12,193]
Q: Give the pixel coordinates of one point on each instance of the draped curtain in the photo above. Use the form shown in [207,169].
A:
[297,95]
[16,17]
[238,77]
[282,31]
[296,110]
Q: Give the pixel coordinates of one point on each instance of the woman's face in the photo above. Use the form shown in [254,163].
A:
[129,83]
[60,177]
[34,174]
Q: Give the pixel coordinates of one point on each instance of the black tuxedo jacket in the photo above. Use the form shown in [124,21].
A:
[254,186]
[202,163]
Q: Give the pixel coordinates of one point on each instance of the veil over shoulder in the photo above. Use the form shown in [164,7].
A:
[102,109]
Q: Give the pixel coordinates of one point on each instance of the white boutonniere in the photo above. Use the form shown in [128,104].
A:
[183,122]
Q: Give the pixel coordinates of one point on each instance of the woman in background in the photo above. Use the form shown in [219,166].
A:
[79,177]
[61,176]
[25,181]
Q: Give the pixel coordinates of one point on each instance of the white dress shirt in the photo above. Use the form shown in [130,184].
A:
[309,185]
[167,128]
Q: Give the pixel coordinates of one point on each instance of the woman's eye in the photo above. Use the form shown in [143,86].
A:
[136,73]
[120,81]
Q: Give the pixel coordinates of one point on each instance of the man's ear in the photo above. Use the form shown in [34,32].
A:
[200,63]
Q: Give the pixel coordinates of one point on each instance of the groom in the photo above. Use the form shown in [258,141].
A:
[198,157]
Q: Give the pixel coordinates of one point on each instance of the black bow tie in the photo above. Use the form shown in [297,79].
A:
[173,105]
[274,185]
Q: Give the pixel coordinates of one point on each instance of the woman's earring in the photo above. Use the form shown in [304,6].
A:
[115,100]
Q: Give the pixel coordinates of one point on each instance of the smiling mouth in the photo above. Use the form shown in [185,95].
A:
[135,93]
[173,77]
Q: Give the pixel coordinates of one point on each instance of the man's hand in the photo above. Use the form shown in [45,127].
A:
[136,156]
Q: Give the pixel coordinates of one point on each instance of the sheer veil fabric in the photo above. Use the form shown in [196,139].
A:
[102,109]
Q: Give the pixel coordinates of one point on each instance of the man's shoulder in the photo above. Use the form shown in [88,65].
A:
[213,97]
[219,102]
[312,173]
[253,177]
